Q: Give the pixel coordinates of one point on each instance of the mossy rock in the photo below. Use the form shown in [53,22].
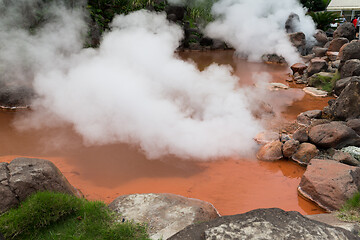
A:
[323,80]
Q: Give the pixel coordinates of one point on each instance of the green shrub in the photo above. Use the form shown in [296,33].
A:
[324,19]
[47,215]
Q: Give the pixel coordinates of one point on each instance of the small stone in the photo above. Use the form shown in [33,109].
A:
[290,147]
[315,92]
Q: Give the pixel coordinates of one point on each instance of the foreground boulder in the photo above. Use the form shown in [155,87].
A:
[333,135]
[165,214]
[263,224]
[342,83]
[349,51]
[329,183]
[347,105]
[24,176]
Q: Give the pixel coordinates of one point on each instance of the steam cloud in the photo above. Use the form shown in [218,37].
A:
[256,28]
[132,89]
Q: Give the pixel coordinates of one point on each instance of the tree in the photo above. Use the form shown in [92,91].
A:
[315,5]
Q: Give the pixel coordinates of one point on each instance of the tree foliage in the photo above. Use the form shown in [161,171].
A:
[315,5]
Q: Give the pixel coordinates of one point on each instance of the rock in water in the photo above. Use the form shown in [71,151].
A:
[329,183]
[315,92]
[333,135]
[165,214]
[265,224]
[271,151]
[305,153]
[298,68]
[24,176]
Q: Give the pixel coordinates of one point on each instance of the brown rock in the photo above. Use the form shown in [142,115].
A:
[320,52]
[317,65]
[345,158]
[301,135]
[337,43]
[306,117]
[333,135]
[165,214]
[305,153]
[349,51]
[298,68]
[329,183]
[321,37]
[290,147]
[271,151]
[350,68]
[332,56]
[345,30]
[266,137]
[354,124]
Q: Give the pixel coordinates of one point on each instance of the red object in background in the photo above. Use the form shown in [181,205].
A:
[355,22]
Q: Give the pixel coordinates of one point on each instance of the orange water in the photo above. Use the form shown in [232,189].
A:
[232,185]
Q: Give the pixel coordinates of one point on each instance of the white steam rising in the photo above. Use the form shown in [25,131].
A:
[134,89]
[257,27]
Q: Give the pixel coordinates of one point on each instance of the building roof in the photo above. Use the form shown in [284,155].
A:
[344,5]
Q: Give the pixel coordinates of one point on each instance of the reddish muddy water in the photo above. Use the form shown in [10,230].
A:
[232,185]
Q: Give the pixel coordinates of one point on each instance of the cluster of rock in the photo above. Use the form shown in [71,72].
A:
[327,143]
[331,58]
[169,216]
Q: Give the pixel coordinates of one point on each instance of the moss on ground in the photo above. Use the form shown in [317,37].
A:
[48,215]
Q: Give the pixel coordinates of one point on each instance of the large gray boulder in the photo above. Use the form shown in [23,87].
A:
[333,135]
[342,83]
[25,176]
[337,43]
[265,224]
[165,214]
[329,183]
[350,68]
[345,30]
[347,105]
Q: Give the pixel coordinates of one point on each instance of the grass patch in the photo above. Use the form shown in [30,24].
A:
[351,210]
[47,215]
[325,83]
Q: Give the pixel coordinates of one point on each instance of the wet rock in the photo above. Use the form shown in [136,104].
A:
[271,151]
[266,224]
[315,92]
[273,58]
[342,83]
[337,43]
[354,124]
[290,147]
[15,96]
[321,37]
[345,30]
[25,176]
[333,220]
[292,23]
[350,68]
[277,86]
[266,137]
[347,105]
[329,183]
[333,135]
[305,153]
[301,135]
[320,52]
[349,51]
[317,65]
[305,117]
[298,68]
[353,151]
[165,214]
[298,40]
